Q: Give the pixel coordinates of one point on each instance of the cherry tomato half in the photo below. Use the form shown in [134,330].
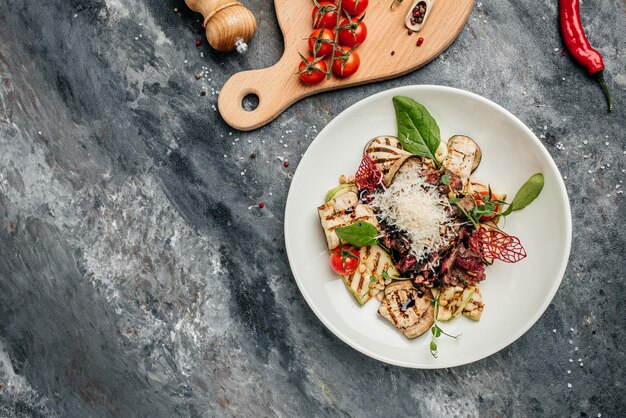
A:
[354,33]
[354,7]
[321,42]
[478,198]
[312,70]
[346,63]
[325,16]
[346,260]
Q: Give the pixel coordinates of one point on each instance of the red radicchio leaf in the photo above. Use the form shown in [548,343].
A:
[368,176]
[493,243]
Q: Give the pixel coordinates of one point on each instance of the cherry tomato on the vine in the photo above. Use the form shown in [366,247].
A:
[346,62]
[321,42]
[324,15]
[352,33]
[312,70]
[344,260]
[354,7]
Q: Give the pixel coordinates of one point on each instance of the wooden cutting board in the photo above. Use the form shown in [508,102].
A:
[278,86]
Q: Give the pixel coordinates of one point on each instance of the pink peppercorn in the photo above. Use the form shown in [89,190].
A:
[286,163]
[198,42]
[420,41]
[261,205]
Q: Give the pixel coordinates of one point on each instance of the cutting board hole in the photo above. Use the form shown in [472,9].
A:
[250,102]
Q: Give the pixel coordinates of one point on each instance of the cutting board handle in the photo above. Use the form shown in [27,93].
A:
[268,84]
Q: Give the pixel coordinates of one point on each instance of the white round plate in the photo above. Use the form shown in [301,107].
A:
[515,295]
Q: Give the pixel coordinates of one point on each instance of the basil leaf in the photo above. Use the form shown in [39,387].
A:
[358,234]
[526,194]
[418,131]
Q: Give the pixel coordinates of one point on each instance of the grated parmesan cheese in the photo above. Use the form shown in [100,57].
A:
[417,208]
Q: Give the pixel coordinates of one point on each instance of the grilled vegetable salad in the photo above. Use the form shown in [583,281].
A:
[414,230]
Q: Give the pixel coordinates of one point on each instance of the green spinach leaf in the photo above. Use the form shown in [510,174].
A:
[418,131]
[526,194]
[358,234]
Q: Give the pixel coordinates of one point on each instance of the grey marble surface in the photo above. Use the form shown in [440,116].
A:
[136,281]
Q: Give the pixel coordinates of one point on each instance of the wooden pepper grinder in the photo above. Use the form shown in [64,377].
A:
[229,25]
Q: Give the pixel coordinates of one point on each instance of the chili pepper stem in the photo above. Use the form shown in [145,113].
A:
[605,88]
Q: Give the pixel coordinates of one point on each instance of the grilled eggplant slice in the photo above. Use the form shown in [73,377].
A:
[408,312]
[387,154]
[368,280]
[413,165]
[343,210]
[452,302]
[463,158]
[475,306]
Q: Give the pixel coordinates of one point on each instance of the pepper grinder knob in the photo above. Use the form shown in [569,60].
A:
[229,25]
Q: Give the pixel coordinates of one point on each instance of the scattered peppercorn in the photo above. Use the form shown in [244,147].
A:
[253,155]
[393,53]
[197,76]
[420,41]
[261,205]
[203,93]
[286,163]
[563,53]
[198,42]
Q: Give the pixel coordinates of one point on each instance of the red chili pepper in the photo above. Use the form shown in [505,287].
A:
[578,45]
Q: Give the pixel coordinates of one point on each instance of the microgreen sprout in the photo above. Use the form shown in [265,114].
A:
[436,331]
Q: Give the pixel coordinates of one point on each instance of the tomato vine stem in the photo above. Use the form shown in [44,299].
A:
[332,55]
